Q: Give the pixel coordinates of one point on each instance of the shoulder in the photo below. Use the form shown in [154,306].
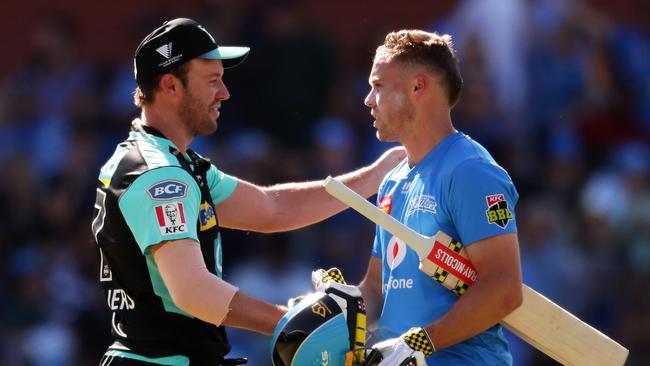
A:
[465,148]
[393,176]
[467,157]
[156,155]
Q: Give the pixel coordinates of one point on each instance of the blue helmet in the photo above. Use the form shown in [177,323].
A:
[321,329]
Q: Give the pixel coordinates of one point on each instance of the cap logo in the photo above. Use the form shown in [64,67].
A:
[165,50]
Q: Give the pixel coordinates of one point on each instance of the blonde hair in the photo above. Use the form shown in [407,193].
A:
[431,50]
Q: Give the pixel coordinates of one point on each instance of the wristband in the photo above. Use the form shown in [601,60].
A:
[418,339]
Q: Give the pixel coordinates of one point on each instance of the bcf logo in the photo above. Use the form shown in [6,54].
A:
[167,190]
[395,252]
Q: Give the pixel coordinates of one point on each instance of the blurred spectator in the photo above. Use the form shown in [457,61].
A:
[294,74]
[276,277]
[496,29]
[558,90]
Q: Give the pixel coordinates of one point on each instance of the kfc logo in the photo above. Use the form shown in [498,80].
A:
[171,218]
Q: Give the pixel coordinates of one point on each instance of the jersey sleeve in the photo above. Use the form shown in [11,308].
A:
[161,204]
[221,184]
[482,200]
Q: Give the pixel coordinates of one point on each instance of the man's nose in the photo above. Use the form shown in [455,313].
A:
[223,93]
[369,101]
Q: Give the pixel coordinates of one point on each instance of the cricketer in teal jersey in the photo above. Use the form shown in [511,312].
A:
[159,208]
[451,183]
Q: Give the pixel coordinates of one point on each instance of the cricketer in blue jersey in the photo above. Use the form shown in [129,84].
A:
[451,183]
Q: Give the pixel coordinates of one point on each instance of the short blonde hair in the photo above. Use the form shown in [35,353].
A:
[431,50]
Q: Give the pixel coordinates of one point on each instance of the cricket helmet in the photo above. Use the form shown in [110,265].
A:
[319,330]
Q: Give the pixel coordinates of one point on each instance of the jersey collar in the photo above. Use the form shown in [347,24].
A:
[147,133]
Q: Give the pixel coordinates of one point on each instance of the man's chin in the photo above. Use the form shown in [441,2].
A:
[385,138]
[208,129]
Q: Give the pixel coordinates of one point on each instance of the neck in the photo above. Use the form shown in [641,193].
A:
[167,125]
[427,134]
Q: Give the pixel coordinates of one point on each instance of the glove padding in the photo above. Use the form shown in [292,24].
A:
[395,354]
[325,281]
[351,303]
[409,349]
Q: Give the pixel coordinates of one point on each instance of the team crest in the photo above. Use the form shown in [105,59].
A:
[386,204]
[498,212]
[424,203]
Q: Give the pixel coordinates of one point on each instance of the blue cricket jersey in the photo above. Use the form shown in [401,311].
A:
[457,188]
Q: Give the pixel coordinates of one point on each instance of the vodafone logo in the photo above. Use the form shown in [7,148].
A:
[395,252]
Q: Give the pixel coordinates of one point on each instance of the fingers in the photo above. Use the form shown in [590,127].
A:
[320,277]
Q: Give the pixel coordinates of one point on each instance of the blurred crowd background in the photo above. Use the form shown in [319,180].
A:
[558,91]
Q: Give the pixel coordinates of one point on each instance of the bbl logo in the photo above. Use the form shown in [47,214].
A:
[498,212]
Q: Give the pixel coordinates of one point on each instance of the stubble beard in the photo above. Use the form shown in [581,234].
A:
[196,116]
[398,123]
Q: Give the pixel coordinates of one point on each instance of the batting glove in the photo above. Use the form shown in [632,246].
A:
[327,280]
[407,350]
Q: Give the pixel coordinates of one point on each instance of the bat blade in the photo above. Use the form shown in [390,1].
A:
[538,321]
[561,335]
[418,242]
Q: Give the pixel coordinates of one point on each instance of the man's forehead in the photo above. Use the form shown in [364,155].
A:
[380,67]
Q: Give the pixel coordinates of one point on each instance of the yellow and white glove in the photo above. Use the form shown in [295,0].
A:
[409,349]
[349,299]
[325,280]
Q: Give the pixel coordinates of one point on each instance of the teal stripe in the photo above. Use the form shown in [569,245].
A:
[106,172]
[176,360]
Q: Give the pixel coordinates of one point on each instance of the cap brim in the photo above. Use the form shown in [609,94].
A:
[231,56]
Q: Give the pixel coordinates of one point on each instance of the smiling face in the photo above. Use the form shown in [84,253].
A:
[389,100]
[204,92]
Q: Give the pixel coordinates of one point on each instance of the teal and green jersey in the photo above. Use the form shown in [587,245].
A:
[149,192]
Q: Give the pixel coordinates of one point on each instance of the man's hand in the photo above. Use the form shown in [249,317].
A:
[388,160]
[407,350]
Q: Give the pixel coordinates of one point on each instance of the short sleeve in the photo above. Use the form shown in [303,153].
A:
[221,185]
[482,200]
[161,204]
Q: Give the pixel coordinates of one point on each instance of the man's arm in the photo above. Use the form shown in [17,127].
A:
[495,294]
[370,288]
[202,294]
[291,206]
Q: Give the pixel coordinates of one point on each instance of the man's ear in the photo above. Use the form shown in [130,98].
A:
[169,84]
[420,83]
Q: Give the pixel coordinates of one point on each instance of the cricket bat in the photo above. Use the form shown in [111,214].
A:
[538,321]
